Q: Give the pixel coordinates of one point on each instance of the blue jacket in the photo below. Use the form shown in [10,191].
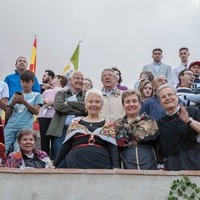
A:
[153,108]
[14,84]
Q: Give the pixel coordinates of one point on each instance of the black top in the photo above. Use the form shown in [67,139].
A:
[34,162]
[103,155]
[175,134]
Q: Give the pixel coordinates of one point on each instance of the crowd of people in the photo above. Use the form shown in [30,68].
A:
[155,126]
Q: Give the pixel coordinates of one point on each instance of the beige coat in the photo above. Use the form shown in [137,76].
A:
[112,108]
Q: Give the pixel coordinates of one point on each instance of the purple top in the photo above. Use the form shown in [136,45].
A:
[121,87]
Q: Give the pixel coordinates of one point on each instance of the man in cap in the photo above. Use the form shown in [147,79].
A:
[195,68]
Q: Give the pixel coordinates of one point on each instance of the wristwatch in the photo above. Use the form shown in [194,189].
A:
[190,121]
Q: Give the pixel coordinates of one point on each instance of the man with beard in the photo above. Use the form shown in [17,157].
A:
[184,91]
[195,68]
[46,80]
[13,80]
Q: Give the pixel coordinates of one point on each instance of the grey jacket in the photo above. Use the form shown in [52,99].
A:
[64,108]
[164,70]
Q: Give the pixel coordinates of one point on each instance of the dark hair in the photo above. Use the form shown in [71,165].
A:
[183,48]
[157,49]
[120,77]
[182,74]
[63,80]
[50,73]
[26,132]
[130,92]
[27,76]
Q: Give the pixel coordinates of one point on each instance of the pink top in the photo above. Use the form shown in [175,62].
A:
[48,112]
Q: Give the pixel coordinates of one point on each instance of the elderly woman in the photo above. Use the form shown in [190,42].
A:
[87,84]
[136,134]
[28,155]
[145,89]
[90,141]
[179,130]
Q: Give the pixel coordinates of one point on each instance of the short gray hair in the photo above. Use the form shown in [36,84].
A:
[163,87]
[94,91]
[74,72]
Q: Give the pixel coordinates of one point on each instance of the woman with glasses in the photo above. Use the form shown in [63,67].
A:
[179,133]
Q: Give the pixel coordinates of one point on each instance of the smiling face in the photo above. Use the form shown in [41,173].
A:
[187,79]
[168,99]
[76,81]
[93,104]
[131,105]
[27,143]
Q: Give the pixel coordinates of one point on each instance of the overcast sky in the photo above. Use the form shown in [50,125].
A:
[113,33]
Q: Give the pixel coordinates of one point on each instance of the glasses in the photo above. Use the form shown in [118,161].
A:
[87,84]
[78,78]
[156,53]
[167,96]
[107,75]
[189,74]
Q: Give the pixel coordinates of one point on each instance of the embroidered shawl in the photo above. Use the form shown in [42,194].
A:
[107,132]
[141,128]
[15,159]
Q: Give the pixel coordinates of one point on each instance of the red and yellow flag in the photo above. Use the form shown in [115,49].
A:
[33,57]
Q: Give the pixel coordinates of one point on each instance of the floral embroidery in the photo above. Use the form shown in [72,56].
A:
[131,133]
[107,130]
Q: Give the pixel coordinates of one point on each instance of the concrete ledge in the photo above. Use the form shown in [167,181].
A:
[90,184]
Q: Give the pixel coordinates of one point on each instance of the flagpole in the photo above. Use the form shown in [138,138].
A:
[79,52]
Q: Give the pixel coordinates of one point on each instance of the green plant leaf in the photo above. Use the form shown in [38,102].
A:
[185,196]
[183,187]
[193,185]
[180,194]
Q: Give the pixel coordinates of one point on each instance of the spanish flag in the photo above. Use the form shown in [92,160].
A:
[33,57]
[73,63]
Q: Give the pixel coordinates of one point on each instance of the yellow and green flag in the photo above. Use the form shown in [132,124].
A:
[73,64]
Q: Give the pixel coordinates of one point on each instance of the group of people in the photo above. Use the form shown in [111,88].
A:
[156,125]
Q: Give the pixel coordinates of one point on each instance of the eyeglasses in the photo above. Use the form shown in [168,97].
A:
[87,84]
[167,96]
[157,53]
[78,78]
[189,74]
[107,75]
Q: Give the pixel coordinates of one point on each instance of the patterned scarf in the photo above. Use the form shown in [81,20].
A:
[132,133]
